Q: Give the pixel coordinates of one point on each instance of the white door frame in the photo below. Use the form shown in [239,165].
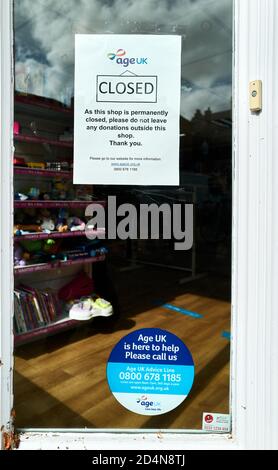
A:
[6,216]
[254,378]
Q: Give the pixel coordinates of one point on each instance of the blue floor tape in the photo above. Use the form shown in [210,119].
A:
[226,335]
[181,310]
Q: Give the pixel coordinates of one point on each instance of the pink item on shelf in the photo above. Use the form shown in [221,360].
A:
[16,128]
[81,286]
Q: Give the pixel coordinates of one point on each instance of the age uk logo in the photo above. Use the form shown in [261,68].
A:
[120,59]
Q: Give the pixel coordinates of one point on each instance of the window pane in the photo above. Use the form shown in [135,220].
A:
[60,379]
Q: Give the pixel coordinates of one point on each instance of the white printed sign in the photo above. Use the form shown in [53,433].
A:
[213,422]
[127,109]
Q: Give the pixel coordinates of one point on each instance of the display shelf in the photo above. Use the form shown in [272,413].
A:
[55,204]
[40,140]
[50,329]
[42,173]
[57,264]
[48,110]
[38,105]
[52,235]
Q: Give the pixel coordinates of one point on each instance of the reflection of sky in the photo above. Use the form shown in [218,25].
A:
[44,35]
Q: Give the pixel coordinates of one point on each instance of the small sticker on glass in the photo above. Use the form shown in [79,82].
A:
[214,422]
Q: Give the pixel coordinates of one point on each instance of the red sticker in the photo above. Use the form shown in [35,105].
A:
[209,419]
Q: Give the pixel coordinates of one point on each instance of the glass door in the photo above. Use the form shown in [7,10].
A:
[127,288]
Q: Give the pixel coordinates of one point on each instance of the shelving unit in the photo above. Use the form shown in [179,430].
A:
[43,173]
[55,235]
[29,139]
[38,106]
[52,328]
[54,204]
[57,264]
[44,145]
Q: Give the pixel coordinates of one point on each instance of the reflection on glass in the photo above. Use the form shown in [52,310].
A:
[44,38]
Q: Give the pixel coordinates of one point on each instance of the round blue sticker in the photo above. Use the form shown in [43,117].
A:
[150,371]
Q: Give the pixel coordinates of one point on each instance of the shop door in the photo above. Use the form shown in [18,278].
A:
[65,338]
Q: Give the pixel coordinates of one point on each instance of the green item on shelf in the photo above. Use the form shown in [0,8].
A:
[32,246]
[48,245]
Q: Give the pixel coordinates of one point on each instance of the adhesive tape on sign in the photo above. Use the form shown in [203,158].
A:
[150,371]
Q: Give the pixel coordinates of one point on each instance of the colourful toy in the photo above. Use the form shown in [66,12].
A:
[84,193]
[75,224]
[61,224]
[19,161]
[51,246]
[16,128]
[36,166]
[49,243]
[98,252]
[89,226]
[20,258]
[38,251]
[62,228]
[58,166]
[48,225]
[27,228]
[34,193]
[20,197]
[59,191]
[32,246]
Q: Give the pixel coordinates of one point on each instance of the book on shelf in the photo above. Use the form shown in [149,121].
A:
[35,308]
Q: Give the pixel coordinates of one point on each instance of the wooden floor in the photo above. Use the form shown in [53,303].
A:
[60,382]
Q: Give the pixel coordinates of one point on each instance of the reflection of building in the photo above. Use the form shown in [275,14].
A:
[206,142]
